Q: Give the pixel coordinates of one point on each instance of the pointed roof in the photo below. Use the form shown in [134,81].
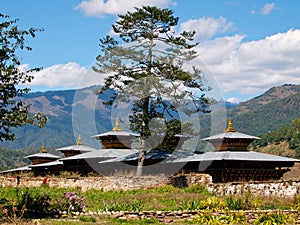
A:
[103,153]
[152,155]
[43,154]
[239,156]
[116,131]
[47,164]
[231,133]
[79,146]
[23,168]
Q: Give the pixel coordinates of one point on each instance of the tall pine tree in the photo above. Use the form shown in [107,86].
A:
[146,63]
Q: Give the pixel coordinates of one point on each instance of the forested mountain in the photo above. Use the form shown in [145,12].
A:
[63,109]
[270,111]
[81,112]
[12,159]
[73,112]
[284,141]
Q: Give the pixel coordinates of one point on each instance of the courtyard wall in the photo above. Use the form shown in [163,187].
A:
[274,188]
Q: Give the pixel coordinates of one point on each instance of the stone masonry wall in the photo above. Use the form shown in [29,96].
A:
[278,188]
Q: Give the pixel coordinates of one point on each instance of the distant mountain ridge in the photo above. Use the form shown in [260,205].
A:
[59,107]
[276,108]
[271,95]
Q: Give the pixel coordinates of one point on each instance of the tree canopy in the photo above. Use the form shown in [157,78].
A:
[147,64]
[14,112]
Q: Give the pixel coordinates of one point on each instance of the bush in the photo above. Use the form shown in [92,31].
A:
[26,204]
[72,202]
[190,205]
[133,206]
[198,189]
[233,203]
[87,219]
[212,204]
[275,218]
[229,218]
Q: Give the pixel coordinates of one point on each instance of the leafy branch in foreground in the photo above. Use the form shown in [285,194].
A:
[14,112]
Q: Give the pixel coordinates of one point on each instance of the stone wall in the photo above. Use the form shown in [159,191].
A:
[87,183]
[281,189]
[173,216]
[278,188]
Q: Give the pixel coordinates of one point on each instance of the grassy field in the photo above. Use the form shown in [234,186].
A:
[167,198]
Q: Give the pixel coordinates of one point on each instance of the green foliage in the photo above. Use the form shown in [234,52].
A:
[11,159]
[14,111]
[87,219]
[201,189]
[297,202]
[147,71]
[207,218]
[24,204]
[134,221]
[34,201]
[166,189]
[228,218]
[275,218]
[71,202]
[191,205]
[234,203]
[290,134]
[132,206]
[212,204]
[268,112]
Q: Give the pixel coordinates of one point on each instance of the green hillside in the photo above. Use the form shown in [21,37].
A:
[272,110]
[73,112]
[11,159]
[287,135]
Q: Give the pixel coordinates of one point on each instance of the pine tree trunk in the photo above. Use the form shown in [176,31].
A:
[141,158]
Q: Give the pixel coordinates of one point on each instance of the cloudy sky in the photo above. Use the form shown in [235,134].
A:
[249,46]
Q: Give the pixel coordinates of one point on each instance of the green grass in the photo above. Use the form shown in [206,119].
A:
[109,221]
[167,198]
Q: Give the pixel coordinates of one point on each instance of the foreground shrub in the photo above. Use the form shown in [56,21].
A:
[233,203]
[275,218]
[71,202]
[25,204]
[229,218]
[212,204]
[200,189]
[87,219]
[133,206]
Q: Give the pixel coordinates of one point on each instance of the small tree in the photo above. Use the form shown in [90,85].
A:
[149,69]
[14,112]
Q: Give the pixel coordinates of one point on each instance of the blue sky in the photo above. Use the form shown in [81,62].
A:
[249,46]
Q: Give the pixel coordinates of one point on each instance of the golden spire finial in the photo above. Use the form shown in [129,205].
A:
[117,128]
[79,141]
[229,128]
[43,150]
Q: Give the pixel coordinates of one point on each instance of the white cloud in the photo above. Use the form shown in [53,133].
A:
[244,67]
[64,76]
[252,67]
[267,9]
[233,100]
[207,27]
[99,8]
